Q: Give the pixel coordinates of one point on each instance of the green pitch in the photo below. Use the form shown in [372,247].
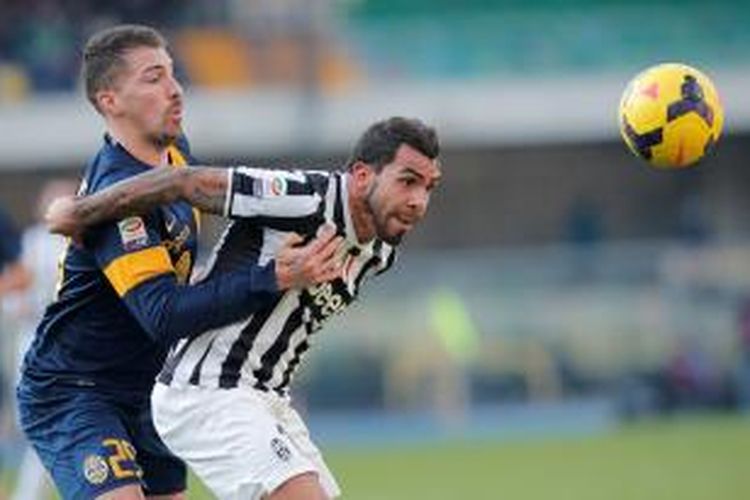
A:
[690,460]
[685,459]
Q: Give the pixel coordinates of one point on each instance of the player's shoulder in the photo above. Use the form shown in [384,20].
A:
[111,164]
[183,144]
[180,152]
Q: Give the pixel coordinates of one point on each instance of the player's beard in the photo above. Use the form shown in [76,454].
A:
[163,140]
[380,218]
[169,132]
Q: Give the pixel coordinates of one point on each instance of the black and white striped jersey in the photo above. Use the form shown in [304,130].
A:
[264,349]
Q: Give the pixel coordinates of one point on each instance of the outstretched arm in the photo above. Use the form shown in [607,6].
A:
[203,187]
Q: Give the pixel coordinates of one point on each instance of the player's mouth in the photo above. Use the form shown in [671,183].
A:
[175,114]
[406,222]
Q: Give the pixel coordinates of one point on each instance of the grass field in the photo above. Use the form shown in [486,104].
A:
[697,458]
[703,459]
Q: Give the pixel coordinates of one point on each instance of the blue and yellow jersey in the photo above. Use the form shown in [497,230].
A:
[108,326]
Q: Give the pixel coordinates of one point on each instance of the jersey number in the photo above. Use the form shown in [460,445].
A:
[122,451]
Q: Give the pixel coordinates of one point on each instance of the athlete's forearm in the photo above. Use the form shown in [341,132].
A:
[135,195]
[203,187]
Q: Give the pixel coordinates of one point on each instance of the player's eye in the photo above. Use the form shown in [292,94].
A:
[152,76]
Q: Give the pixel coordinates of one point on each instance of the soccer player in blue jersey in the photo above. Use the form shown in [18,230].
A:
[124,297]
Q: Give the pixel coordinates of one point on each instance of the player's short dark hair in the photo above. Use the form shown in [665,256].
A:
[103,55]
[378,145]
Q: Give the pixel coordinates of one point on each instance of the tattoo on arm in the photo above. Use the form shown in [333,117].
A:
[203,187]
[206,189]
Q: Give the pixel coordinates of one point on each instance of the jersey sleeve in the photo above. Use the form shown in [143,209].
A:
[262,193]
[131,255]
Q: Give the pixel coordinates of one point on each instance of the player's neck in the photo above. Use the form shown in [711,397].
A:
[138,146]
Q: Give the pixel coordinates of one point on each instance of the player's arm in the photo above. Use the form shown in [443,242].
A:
[140,271]
[240,192]
[203,187]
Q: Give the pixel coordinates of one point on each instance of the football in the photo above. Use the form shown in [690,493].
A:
[671,115]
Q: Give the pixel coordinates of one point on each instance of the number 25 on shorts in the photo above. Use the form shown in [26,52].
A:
[122,459]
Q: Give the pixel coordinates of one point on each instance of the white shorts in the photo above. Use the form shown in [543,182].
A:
[243,443]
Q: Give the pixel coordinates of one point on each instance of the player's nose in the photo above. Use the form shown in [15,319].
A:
[418,202]
[174,88]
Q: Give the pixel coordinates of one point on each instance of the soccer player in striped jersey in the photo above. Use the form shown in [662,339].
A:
[84,394]
[221,401]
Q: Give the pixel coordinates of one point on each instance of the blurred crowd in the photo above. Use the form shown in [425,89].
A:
[219,43]
[40,39]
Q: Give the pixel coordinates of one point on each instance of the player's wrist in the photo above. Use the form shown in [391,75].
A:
[266,278]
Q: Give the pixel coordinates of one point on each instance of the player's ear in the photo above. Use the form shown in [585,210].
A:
[362,175]
[106,102]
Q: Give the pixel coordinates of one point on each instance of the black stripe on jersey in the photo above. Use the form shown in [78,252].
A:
[240,244]
[306,225]
[195,376]
[299,188]
[279,347]
[338,209]
[170,365]
[373,262]
[230,368]
[298,351]
[242,183]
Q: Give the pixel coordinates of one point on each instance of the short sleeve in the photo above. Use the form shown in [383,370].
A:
[254,192]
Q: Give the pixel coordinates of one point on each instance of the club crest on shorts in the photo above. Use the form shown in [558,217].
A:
[281,449]
[95,469]
[133,233]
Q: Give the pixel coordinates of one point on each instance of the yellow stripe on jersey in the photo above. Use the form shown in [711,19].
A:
[177,159]
[130,270]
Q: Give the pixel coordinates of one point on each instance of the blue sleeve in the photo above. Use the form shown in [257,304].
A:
[169,311]
[137,265]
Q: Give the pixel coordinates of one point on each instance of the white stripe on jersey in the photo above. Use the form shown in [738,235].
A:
[264,350]
[269,195]
[228,200]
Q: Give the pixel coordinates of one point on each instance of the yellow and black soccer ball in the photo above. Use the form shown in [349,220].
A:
[671,115]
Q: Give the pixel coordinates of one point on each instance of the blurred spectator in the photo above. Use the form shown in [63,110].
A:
[693,378]
[13,275]
[743,367]
[23,308]
[584,223]
[584,230]
[693,226]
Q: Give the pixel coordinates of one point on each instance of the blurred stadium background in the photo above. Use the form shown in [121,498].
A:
[567,323]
